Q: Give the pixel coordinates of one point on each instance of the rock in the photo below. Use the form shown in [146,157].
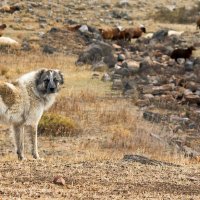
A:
[157,90]
[120,15]
[48,49]
[192,98]
[26,46]
[175,118]
[187,92]
[54,29]
[142,102]
[145,160]
[148,96]
[100,66]
[121,57]
[133,64]
[155,117]
[59,180]
[192,86]
[83,28]
[94,53]
[116,76]
[116,47]
[43,25]
[189,66]
[130,84]
[146,66]
[197,61]
[42,20]
[117,84]
[95,76]
[105,5]
[106,77]
[160,35]
[123,4]
[110,60]
[124,72]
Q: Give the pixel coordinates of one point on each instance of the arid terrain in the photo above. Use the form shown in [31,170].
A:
[99,155]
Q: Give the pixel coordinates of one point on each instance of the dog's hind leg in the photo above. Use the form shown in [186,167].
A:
[32,130]
[19,140]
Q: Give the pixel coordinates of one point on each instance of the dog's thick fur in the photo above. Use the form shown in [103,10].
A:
[23,102]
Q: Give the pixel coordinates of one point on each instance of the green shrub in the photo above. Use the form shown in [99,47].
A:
[53,124]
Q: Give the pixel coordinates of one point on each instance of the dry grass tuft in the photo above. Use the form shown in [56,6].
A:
[53,124]
[180,15]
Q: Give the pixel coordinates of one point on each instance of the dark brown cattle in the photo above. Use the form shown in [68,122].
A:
[182,53]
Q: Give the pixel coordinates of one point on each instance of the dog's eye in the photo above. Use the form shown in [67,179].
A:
[55,80]
[46,80]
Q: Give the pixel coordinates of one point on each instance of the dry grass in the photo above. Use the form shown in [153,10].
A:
[113,122]
[181,15]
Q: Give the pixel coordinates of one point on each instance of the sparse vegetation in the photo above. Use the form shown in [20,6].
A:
[53,124]
[182,15]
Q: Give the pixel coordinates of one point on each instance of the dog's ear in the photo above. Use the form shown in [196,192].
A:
[61,78]
[39,75]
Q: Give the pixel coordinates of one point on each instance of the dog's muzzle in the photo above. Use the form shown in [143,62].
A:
[51,88]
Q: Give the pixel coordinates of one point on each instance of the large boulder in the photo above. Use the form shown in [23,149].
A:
[95,53]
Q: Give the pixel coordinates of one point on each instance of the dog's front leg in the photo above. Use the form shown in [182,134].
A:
[19,140]
[32,129]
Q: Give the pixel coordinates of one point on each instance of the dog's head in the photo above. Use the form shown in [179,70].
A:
[48,81]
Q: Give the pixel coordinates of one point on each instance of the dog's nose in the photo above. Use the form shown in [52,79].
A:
[52,89]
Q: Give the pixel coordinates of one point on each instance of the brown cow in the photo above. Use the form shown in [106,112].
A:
[111,33]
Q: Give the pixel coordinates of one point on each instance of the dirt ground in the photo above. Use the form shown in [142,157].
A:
[95,177]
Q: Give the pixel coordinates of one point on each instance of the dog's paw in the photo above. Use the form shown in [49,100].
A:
[37,157]
[21,158]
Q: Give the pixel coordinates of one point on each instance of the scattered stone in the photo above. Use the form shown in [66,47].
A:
[48,49]
[83,28]
[117,84]
[100,66]
[58,180]
[120,15]
[142,102]
[95,76]
[192,98]
[121,57]
[123,4]
[154,117]
[146,161]
[106,77]
[189,66]
[94,53]
[160,35]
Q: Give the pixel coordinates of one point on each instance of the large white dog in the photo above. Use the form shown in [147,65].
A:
[23,102]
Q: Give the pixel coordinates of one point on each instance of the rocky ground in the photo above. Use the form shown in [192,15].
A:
[145,83]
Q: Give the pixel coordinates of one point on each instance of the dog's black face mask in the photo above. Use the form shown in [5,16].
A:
[48,81]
